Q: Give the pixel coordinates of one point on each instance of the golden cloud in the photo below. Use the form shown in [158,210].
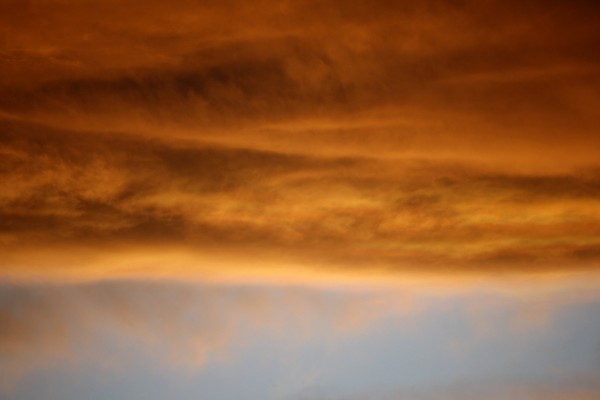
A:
[357,138]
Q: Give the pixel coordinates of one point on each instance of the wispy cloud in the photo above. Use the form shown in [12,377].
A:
[180,325]
[69,190]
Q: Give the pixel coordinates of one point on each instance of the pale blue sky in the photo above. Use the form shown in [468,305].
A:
[141,341]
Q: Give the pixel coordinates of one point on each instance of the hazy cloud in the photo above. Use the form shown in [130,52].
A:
[180,325]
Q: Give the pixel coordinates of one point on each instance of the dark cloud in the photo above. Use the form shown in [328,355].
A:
[254,86]
[510,59]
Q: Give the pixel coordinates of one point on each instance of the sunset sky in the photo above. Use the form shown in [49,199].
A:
[303,200]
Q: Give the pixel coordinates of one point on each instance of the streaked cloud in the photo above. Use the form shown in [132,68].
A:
[380,199]
[72,191]
[364,136]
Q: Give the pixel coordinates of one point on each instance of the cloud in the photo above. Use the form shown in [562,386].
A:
[364,136]
[290,61]
[183,326]
[330,144]
[73,190]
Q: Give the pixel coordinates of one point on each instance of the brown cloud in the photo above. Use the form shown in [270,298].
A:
[70,189]
[392,137]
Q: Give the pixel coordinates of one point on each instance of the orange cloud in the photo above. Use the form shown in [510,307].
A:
[69,193]
[357,138]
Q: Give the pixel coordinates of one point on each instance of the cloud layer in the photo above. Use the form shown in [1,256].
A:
[363,137]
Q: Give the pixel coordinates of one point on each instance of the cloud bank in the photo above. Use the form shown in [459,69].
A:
[352,139]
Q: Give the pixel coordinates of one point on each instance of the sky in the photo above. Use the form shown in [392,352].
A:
[304,200]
